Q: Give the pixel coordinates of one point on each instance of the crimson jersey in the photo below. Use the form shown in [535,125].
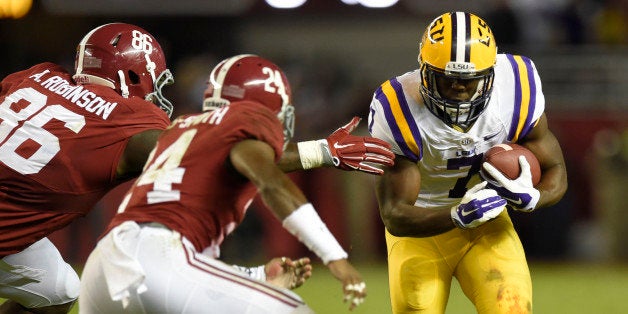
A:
[189,185]
[60,144]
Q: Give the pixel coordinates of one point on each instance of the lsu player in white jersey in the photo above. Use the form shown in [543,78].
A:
[442,219]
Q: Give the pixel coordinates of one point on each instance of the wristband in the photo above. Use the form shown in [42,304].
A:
[314,154]
[257,273]
[307,226]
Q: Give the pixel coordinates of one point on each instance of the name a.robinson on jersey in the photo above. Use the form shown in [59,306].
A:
[77,94]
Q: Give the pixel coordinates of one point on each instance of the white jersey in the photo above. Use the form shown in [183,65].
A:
[450,160]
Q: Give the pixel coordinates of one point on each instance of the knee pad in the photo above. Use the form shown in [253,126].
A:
[418,283]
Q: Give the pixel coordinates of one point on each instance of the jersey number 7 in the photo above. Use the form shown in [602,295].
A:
[474,163]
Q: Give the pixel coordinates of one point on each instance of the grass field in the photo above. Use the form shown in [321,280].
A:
[558,289]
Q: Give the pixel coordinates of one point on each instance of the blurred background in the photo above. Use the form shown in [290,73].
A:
[336,53]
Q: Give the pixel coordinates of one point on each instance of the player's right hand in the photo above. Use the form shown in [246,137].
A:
[479,205]
[353,287]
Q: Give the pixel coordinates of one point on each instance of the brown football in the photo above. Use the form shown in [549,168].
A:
[505,157]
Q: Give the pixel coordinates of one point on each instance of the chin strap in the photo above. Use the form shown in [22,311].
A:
[150,67]
[124,89]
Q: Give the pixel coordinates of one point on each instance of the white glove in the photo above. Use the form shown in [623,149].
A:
[520,192]
[477,206]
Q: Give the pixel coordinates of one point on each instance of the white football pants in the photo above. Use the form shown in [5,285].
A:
[38,277]
[151,269]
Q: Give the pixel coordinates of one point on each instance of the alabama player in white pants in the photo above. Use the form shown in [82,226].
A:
[180,279]
[160,252]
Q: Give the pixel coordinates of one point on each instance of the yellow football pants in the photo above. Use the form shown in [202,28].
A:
[488,262]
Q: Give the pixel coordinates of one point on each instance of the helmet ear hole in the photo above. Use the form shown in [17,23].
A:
[134,78]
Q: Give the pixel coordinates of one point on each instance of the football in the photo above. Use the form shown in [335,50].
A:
[505,157]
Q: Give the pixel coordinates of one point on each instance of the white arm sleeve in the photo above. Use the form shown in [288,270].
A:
[305,224]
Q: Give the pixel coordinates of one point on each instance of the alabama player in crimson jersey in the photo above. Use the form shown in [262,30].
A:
[66,140]
[160,252]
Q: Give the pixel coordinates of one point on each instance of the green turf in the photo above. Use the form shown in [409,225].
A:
[558,288]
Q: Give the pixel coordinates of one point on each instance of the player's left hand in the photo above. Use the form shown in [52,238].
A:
[362,153]
[354,288]
[520,192]
[287,273]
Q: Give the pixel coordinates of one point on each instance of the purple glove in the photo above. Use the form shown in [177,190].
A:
[478,206]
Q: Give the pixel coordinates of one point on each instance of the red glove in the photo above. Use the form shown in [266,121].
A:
[362,153]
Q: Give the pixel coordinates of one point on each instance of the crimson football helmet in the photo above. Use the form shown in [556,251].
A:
[126,58]
[250,77]
[457,46]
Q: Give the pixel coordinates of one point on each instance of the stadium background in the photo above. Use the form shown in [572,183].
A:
[336,54]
